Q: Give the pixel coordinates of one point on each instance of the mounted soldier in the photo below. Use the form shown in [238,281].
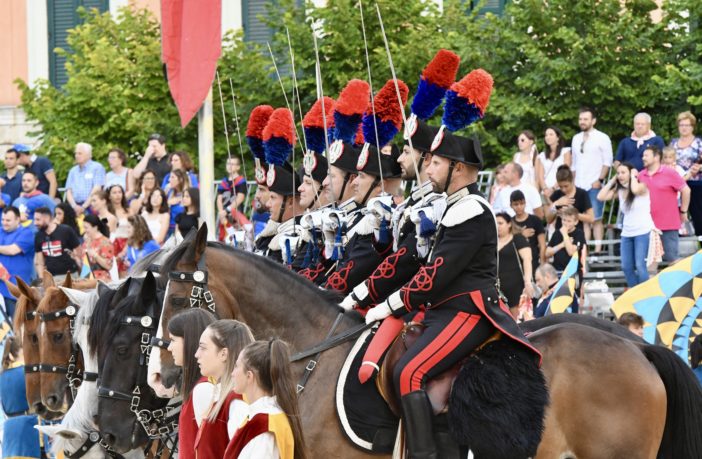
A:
[343,157]
[377,183]
[458,285]
[282,181]
[419,213]
[254,138]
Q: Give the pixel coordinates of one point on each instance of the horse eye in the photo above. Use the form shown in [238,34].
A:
[58,337]
[122,350]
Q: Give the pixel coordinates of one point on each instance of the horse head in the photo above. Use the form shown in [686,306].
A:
[26,325]
[60,360]
[125,334]
[188,271]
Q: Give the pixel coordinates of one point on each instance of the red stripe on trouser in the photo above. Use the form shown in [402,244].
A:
[449,339]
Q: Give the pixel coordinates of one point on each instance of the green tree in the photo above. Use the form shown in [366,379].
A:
[550,58]
[116,94]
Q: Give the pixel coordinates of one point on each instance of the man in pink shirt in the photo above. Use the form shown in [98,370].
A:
[663,185]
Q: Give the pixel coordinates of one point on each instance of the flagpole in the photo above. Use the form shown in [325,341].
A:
[205,141]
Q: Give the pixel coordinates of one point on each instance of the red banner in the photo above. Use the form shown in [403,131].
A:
[191,36]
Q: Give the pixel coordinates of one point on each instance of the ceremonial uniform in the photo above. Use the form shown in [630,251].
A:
[380,124]
[404,261]
[266,433]
[187,422]
[213,437]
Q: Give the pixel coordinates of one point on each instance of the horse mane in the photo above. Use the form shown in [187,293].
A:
[99,320]
[126,307]
[21,310]
[289,279]
[85,313]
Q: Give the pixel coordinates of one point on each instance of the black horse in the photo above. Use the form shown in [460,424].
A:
[121,330]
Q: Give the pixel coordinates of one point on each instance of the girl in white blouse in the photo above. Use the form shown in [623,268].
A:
[273,429]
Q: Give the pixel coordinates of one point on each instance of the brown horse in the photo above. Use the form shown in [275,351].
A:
[26,326]
[607,399]
[56,343]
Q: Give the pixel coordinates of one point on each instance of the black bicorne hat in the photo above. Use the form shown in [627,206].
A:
[388,165]
[314,165]
[344,156]
[457,148]
[421,134]
[279,179]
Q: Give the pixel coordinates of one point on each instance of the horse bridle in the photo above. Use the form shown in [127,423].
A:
[94,438]
[199,293]
[74,375]
[144,416]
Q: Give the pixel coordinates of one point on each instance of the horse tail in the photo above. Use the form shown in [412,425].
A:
[681,436]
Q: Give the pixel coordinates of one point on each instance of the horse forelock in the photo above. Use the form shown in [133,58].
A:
[53,300]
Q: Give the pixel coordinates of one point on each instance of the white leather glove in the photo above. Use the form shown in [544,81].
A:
[348,303]
[379,312]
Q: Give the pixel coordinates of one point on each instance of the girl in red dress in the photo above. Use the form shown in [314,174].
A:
[273,429]
[219,347]
[185,330]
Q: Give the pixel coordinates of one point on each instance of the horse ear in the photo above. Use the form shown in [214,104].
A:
[68,282]
[25,289]
[200,241]
[78,297]
[103,288]
[47,279]
[148,288]
[14,290]
[58,431]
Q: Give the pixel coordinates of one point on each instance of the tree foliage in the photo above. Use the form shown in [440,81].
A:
[548,58]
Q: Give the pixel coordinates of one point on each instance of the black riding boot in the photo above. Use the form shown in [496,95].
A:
[419,434]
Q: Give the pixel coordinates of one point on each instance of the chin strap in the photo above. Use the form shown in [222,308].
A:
[452,164]
[375,183]
[347,176]
[282,209]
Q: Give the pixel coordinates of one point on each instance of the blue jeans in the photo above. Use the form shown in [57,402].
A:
[597,206]
[633,252]
[670,240]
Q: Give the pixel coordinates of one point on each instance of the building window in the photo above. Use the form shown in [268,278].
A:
[62,16]
[255,30]
[491,6]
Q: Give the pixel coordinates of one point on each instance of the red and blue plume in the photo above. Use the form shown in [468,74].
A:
[467,100]
[437,77]
[254,129]
[348,111]
[279,136]
[313,124]
[388,114]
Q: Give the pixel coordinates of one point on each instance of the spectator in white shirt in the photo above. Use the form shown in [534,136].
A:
[592,158]
[513,173]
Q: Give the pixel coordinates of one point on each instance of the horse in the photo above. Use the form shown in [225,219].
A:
[77,432]
[26,325]
[120,332]
[61,365]
[591,374]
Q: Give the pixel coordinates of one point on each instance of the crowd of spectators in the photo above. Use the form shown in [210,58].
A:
[549,200]
[549,203]
[105,219]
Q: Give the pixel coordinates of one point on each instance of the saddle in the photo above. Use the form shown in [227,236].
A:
[370,413]
[438,389]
